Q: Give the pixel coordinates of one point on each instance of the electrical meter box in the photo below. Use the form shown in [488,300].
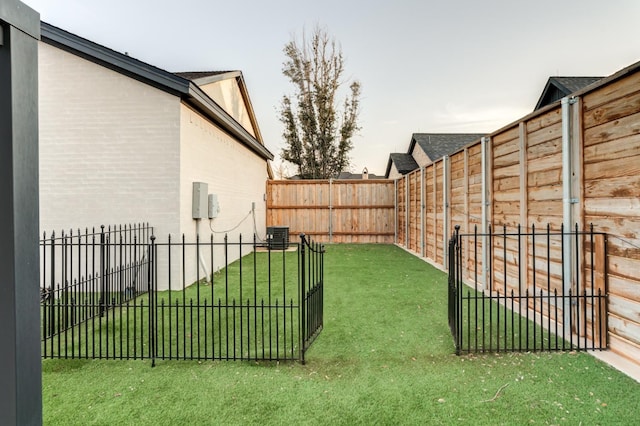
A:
[199,206]
[214,207]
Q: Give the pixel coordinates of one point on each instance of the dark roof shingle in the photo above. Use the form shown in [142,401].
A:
[559,87]
[349,175]
[437,145]
[404,163]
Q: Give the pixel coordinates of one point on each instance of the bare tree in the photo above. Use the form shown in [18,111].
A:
[318,136]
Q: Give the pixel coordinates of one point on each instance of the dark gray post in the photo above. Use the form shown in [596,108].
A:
[20,364]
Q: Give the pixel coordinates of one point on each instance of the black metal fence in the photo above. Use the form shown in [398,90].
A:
[197,304]
[532,298]
[83,274]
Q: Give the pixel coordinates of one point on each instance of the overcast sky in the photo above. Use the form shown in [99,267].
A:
[464,66]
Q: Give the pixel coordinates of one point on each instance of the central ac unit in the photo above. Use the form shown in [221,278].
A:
[278,237]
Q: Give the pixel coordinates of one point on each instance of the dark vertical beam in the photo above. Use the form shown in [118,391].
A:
[20,380]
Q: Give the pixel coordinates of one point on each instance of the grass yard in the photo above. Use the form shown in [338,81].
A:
[385,356]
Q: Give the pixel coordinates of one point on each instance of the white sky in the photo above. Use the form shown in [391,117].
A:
[425,66]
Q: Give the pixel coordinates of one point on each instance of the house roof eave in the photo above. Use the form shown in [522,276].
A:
[116,61]
[200,100]
[156,77]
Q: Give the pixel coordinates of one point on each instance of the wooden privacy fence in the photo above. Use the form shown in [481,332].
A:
[337,211]
[573,162]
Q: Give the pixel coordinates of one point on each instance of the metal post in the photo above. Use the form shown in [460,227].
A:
[446,176]
[485,203]
[395,213]
[407,197]
[303,299]
[567,216]
[422,206]
[20,381]
[330,211]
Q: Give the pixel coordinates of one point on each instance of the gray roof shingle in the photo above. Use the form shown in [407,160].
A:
[404,163]
[437,145]
[349,175]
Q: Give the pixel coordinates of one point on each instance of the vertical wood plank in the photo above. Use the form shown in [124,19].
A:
[435,212]
[600,285]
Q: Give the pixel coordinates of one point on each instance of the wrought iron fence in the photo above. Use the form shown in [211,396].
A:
[312,287]
[83,274]
[533,297]
[197,304]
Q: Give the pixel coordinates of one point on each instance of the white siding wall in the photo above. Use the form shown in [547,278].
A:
[232,171]
[109,147]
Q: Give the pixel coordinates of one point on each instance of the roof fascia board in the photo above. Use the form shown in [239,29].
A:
[201,81]
[222,118]
[101,55]
[386,173]
[412,145]
[544,93]
[237,75]
[252,116]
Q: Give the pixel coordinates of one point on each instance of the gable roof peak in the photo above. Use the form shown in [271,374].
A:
[557,87]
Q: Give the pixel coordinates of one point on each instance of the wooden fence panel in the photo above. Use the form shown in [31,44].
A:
[543,208]
[430,211]
[474,209]
[349,211]
[402,211]
[414,210]
[611,141]
[525,187]
[506,206]
[441,237]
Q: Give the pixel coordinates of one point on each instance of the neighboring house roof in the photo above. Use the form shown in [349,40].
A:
[559,87]
[171,83]
[404,163]
[348,175]
[437,145]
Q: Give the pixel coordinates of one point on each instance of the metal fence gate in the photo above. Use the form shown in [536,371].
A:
[124,295]
[527,301]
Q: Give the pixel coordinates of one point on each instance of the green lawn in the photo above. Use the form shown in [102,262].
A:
[385,356]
